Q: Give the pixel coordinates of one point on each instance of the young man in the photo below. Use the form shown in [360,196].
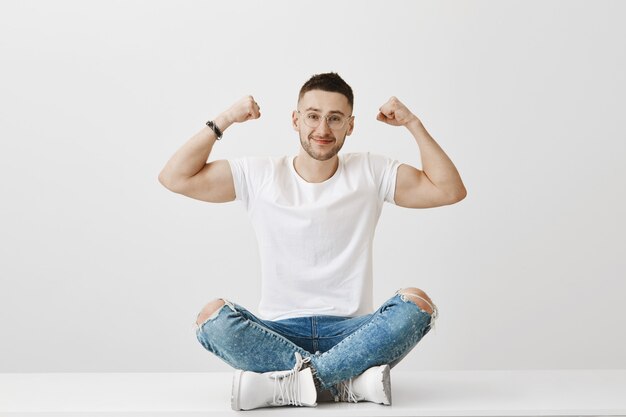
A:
[315,215]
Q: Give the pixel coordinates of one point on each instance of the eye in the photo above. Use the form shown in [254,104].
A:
[313,116]
[334,119]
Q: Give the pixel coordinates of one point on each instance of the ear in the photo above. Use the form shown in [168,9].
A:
[295,121]
[350,126]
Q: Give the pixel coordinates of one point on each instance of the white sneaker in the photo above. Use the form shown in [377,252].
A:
[270,389]
[373,385]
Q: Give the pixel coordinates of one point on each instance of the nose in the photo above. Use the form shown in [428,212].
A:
[323,127]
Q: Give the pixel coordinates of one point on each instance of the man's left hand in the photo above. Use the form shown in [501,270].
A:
[395,113]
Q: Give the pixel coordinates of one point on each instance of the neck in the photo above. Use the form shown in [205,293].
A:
[312,170]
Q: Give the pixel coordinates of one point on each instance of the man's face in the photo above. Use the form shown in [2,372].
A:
[322,142]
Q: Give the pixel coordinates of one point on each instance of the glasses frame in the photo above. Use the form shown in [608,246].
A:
[326,119]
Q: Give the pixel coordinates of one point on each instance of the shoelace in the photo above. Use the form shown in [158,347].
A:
[346,393]
[287,384]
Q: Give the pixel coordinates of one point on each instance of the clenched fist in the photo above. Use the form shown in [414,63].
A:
[395,113]
[243,110]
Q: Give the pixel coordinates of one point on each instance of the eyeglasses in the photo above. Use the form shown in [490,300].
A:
[334,121]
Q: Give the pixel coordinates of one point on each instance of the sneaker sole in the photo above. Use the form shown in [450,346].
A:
[234,397]
[387,384]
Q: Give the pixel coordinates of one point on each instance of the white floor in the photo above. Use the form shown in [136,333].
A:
[441,393]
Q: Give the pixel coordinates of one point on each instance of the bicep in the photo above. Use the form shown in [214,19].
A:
[214,183]
[415,190]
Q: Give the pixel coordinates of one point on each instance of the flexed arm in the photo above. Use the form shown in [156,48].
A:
[188,173]
[439,183]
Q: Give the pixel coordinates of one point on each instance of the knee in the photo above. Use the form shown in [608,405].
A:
[418,297]
[208,310]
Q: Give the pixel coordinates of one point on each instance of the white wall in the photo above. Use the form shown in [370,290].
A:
[102,269]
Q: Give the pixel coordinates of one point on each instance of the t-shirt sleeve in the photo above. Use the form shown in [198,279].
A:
[249,176]
[385,170]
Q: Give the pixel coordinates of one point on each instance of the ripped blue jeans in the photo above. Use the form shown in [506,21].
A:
[339,347]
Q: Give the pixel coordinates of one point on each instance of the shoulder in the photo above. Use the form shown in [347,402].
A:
[372,162]
[258,162]
[251,174]
[256,170]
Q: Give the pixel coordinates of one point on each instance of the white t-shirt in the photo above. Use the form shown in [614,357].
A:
[315,239]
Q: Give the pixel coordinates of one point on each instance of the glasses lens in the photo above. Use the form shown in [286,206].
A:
[312,119]
[335,121]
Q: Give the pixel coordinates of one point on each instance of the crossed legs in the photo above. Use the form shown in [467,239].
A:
[245,342]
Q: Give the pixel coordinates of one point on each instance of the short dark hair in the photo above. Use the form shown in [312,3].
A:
[330,81]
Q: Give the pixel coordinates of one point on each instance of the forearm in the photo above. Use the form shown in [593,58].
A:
[193,155]
[435,163]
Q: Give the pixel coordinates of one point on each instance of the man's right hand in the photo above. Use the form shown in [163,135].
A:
[188,173]
[243,110]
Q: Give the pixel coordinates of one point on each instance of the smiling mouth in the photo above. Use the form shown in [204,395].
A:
[323,142]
